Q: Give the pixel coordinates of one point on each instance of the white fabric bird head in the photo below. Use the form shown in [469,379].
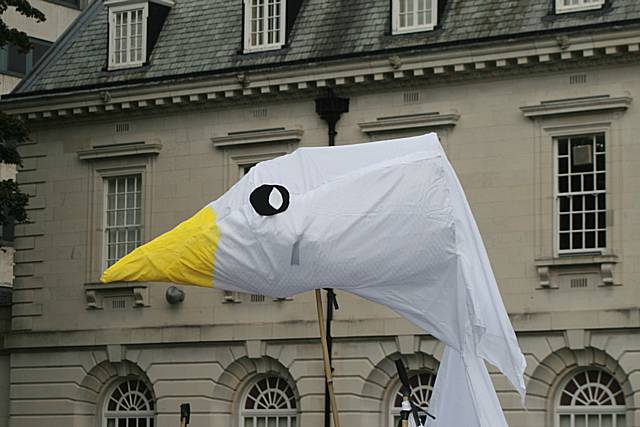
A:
[387,221]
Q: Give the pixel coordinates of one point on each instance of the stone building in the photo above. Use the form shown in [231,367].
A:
[148,109]
[14,64]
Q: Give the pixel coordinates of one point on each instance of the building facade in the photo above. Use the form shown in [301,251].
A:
[147,110]
[14,65]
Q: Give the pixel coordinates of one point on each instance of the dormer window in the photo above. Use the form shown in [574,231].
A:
[566,6]
[264,24]
[410,16]
[134,26]
[128,35]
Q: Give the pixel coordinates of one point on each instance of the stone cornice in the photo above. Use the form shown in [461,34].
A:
[119,150]
[574,106]
[438,63]
[258,137]
[413,121]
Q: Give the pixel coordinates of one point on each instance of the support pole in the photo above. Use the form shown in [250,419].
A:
[331,305]
[325,356]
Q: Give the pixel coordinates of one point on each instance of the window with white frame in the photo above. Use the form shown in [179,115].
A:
[563,6]
[421,390]
[129,404]
[264,24]
[269,402]
[123,216]
[591,398]
[410,16]
[128,35]
[581,193]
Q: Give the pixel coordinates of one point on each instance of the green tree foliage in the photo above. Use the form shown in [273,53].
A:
[12,131]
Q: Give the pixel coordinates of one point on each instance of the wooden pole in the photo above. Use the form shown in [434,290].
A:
[325,357]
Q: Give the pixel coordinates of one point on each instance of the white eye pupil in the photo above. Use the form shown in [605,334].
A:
[275,199]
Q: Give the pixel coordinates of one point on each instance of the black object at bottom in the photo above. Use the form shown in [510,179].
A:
[185,413]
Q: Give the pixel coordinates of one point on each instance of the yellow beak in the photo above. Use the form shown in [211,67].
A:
[184,255]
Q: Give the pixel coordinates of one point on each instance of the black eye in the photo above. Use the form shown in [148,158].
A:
[269,199]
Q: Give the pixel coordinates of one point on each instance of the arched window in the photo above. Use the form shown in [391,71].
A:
[129,404]
[421,390]
[591,398]
[269,402]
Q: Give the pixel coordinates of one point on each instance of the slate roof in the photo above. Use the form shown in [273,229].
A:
[205,37]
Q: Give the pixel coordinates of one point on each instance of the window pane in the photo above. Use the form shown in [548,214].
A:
[590,221]
[563,184]
[17,60]
[577,203]
[602,220]
[587,182]
[563,165]
[600,143]
[562,147]
[621,421]
[576,240]
[576,221]
[590,239]
[576,183]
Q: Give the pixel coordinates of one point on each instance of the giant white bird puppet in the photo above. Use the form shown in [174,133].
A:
[387,221]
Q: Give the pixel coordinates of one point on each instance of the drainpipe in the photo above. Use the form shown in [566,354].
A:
[330,108]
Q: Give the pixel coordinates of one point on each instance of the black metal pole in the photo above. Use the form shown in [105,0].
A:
[330,108]
[327,402]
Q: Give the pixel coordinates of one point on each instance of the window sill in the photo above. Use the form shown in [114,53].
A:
[249,50]
[96,292]
[584,8]
[547,266]
[120,150]
[397,32]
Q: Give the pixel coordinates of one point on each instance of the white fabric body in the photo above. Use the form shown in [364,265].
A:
[387,221]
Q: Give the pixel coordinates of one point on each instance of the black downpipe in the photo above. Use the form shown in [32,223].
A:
[330,108]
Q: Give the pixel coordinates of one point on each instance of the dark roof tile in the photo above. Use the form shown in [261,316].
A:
[202,36]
